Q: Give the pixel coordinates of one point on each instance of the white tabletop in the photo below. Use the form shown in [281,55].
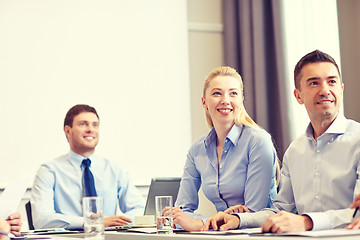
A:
[123,235]
[190,236]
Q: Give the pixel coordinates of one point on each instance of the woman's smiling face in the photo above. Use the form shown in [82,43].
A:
[223,100]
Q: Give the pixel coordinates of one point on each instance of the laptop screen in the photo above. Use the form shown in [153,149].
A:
[161,187]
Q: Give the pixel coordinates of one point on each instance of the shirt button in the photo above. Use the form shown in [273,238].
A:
[226,140]
[317,197]
[220,166]
[316,173]
[318,150]
[225,151]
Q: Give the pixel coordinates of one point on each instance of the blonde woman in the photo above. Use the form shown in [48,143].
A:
[235,163]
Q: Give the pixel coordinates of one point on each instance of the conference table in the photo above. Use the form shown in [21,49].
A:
[123,235]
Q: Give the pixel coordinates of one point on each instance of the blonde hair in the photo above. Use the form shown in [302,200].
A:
[243,118]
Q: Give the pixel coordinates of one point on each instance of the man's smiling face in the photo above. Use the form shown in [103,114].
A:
[321,90]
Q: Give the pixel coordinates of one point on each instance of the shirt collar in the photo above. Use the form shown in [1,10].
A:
[338,126]
[233,135]
[76,159]
[211,137]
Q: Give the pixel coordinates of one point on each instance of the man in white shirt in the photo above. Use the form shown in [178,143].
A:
[319,178]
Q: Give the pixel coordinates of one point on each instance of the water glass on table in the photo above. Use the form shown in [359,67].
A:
[164,215]
[93,212]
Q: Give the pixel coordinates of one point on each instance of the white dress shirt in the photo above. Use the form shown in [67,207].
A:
[319,178]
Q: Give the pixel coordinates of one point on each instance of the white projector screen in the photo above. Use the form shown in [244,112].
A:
[128,59]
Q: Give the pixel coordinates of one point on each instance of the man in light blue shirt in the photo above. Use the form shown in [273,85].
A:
[321,169]
[58,187]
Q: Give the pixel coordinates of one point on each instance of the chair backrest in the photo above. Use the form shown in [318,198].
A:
[29,215]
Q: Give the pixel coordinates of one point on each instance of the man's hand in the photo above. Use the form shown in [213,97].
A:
[15,223]
[185,221]
[356,223]
[287,222]
[116,221]
[356,202]
[222,221]
[237,209]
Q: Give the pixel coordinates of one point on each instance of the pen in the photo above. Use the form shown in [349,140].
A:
[356,209]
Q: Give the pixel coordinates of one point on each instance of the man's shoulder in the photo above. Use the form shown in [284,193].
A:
[106,164]
[53,167]
[298,142]
[352,126]
[107,161]
[56,161]
[351,136]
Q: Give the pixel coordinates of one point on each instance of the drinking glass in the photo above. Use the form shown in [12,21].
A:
[93,212]
[164,217]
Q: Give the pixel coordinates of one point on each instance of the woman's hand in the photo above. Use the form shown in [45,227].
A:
[183,219]
[237,209]
[222,221]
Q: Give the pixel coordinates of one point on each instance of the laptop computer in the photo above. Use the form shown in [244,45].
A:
[158,187]
[161,187]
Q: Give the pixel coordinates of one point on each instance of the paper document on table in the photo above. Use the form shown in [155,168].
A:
[230,232]
[142,230]
[12,195]
[319,233]
[50,231]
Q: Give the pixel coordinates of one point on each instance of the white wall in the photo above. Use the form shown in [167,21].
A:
[205,53]
[128,59]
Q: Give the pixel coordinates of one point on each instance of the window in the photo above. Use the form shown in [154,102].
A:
[308,25]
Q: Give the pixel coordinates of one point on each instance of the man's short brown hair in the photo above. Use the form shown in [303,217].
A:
[312,57]
[76,110]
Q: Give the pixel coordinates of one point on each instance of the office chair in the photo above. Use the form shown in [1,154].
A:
[29,215]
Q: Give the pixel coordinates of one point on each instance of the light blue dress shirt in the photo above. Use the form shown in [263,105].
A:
[318,178]
[246,174]
[57,191]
